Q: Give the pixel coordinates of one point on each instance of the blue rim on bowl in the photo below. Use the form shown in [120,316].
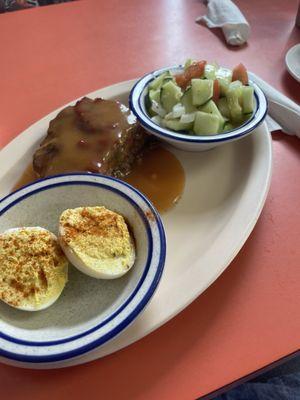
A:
[137,105]
[58,350]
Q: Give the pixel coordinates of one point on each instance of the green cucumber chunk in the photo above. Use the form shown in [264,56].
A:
[188,63]
[223,107]
[154,94]
[156,119]
[227,127]
[224,73]
[157,82]
[206,124]
[187,101]
[248,99]
[210,71]
[177,125]
[235,85]
[211,108]
[148,102]
[151,112]
[170,95]
[202,91]
[224,76]
[233,97]
[246,117]
[223,85]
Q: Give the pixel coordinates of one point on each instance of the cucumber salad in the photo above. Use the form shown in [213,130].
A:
[204,99]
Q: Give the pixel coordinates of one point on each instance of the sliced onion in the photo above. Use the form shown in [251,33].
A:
[177,111]
[187,118]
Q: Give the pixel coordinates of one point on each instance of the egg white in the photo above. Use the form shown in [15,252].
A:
[100,269]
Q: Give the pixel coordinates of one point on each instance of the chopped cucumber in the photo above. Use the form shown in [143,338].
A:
[223,107]
[224,85]
[188,63]
[167,79]
[154,94]
[211,108]
[235,85]
[177,125]
[227,127]
[187,101]
[202,91]
[224,76]
[233,96]
[148,103]
[157,119]
[206,124]
[210,71]
[248,99]
[170,95]
[151,112]
[157,82]
[194,111]
[246,117]
[224,73]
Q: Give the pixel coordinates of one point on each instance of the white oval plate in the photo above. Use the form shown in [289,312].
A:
[292,61]
[224,194]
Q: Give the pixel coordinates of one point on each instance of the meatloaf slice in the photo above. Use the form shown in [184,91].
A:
[98,135]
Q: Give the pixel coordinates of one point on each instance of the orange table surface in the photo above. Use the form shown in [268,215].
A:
[250,316]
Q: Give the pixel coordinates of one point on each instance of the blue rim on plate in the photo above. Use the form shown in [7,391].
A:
[118,328]
[137,106]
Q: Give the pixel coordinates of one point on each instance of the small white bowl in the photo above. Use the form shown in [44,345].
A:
[185,141]
[89,312]
[292,61]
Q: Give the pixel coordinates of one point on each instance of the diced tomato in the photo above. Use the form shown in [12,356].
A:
[239,73]
[181,80]
[216,93]
[195,70]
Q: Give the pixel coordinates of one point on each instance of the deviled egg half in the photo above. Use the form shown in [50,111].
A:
[33,268]
[97,241]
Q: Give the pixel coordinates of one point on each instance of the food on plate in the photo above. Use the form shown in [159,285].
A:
[33,268]
[103,136]
[97,241]
[204,99]
[98,135]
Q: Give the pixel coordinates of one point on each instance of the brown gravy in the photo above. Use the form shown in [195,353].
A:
[98,135]
[158,175]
